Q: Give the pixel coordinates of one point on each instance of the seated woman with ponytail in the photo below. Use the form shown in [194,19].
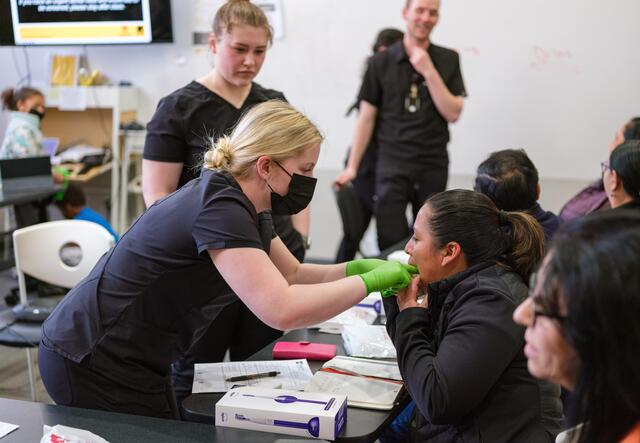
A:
[459,351]
[110,343]
[621,176]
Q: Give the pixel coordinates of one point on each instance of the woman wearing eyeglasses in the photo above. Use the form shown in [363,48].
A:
[621,176]
[582,324]
[460,354]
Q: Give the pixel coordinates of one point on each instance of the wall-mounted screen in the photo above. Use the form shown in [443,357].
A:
[84,22]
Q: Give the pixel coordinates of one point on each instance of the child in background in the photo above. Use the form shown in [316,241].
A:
[23,137]
[73,205]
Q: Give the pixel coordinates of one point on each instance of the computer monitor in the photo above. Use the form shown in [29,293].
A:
[84,22]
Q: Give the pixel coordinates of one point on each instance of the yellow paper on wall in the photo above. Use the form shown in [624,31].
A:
[63,70]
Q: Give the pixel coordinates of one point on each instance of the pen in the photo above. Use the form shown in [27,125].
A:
[253,376]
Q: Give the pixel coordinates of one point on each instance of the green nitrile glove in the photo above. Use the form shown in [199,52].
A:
[65,174]
[390,274]
[389,292]
[362,265]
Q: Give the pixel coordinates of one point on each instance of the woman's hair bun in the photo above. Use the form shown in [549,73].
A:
[219,157]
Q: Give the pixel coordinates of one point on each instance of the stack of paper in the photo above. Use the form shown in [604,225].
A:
[371,384]
[212,377]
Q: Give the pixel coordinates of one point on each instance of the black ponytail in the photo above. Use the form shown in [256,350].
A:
[484,233]
[625,160]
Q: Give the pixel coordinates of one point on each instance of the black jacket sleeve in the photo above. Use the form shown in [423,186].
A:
[479,342]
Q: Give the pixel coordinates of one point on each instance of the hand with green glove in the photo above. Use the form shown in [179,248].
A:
[390,274]
[362,265]
[60,177]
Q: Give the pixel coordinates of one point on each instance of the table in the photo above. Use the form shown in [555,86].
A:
[120,428]
[111,426]
[363,425]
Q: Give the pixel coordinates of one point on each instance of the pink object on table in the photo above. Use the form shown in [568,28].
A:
[303,349]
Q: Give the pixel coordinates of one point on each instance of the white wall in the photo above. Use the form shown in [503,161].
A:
[553,77]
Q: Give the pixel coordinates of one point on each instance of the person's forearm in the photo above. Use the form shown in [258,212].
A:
[309,273]
[447,104]
[159,179]
[360,141]
[307,305]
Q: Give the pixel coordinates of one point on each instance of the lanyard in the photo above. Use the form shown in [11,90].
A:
[412,101]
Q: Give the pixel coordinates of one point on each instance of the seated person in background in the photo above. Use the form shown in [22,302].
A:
[23,137]
[459,352]
[621,176]
[593,197]
[582,324]
[73,205]
[510,179]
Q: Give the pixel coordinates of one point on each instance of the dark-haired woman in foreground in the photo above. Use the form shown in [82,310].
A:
[582,324]
[459,352]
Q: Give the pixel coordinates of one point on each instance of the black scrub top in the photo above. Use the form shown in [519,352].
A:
[149,297]
[184,125]
[408,138]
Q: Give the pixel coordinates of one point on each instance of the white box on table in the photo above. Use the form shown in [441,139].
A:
[305,414]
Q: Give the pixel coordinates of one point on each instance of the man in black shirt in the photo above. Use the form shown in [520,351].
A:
[410,93]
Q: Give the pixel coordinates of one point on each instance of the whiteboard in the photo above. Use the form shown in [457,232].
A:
[555,77]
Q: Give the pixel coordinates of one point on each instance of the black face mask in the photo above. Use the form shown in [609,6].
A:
[37,113]
[299,196]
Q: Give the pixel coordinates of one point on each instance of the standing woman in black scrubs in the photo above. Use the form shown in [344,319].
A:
[174,148]
[110,343]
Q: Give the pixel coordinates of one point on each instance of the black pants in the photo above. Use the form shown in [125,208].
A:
[31,213]
[72,384]
[364,185]
[237,329]
[395,189]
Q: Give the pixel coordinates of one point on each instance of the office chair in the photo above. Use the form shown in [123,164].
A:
[41,251]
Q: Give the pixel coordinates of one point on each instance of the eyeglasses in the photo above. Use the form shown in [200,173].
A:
[604,166]
[536,310]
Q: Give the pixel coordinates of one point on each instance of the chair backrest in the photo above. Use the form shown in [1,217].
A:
[38,251]
[352,212]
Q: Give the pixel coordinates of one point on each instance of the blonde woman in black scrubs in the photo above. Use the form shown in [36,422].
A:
[175,145]
[110,343]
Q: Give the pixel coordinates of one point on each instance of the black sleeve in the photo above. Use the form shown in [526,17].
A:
[391,311]
[165,139]
[455,83]
[371,89]
[225,223]
[479,343]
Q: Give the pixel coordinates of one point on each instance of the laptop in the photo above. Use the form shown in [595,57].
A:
[25,174]
[50,146]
